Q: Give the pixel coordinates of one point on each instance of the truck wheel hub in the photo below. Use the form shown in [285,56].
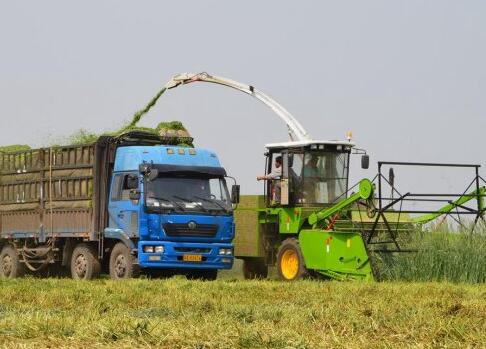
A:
[289,264]
[120,266]
[80,265]
[7,265]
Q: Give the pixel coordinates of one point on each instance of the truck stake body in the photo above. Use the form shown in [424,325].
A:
[123,204]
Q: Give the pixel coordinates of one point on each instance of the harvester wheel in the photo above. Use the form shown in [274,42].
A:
[10,266]
[84,263]
[122,263]
[254,268]
[290,261]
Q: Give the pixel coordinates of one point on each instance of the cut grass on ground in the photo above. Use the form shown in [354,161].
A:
[176,313]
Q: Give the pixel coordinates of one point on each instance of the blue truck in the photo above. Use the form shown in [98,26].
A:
[125,205]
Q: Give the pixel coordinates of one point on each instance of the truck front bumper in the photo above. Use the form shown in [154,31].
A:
[184,255]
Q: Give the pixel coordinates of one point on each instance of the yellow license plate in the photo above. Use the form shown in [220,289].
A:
[192,258]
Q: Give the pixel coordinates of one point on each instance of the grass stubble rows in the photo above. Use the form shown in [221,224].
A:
[406,310]
[230,313]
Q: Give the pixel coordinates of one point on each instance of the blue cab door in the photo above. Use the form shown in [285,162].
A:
[123,212]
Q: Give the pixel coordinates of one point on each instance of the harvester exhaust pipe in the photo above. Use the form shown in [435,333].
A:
[391,179]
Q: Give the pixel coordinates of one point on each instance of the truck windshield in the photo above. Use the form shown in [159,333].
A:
[319,177]
[188,194]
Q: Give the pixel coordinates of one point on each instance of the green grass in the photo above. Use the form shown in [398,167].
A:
[441,256]
[177,313]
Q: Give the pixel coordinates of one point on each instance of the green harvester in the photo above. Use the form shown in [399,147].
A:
[294,225]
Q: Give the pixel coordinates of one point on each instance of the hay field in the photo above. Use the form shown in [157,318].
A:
[230,313]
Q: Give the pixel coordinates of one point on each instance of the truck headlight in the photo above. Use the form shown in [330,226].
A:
[159,249]
[226,251]
[148,249]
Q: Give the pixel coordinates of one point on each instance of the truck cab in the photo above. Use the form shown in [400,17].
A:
[170,206]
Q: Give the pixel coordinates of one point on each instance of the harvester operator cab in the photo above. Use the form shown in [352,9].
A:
[314,173]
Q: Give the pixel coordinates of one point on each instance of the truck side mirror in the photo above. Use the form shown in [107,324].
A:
[153,174]
[235,194]
[134,195]
[365,161]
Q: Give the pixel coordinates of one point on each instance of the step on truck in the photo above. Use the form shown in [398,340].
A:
[123,205]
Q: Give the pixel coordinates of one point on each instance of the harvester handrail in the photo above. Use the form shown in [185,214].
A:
[435,164]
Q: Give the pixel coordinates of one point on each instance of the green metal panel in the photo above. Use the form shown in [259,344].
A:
[247,240]
[338,255]
[289,220]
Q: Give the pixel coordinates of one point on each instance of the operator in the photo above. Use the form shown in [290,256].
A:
[277,171]
[310,169]
[274,176]
[312,175]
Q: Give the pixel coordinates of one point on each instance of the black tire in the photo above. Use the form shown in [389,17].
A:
[84,263]
[10,266]
[122,263]
[255,268]
[290,261]
[202,274]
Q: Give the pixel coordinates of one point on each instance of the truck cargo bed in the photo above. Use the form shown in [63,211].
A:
[54,191]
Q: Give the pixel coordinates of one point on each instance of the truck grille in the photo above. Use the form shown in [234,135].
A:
[184,229]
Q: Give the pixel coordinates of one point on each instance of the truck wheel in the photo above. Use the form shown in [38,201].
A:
[84,263]
[10,266]
[122,263]
[290,261]
[202,274]
[254,268]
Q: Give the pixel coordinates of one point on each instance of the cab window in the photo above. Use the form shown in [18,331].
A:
[122,184]
[324,177]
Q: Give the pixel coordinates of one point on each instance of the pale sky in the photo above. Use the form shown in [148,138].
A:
[407,77]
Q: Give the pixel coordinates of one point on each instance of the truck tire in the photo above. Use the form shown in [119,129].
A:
[290,261]
[122,263]
[254,268]
[202,274]
[10,266]
[84,263]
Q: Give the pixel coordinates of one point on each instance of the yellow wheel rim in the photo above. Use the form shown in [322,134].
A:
[289,264]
